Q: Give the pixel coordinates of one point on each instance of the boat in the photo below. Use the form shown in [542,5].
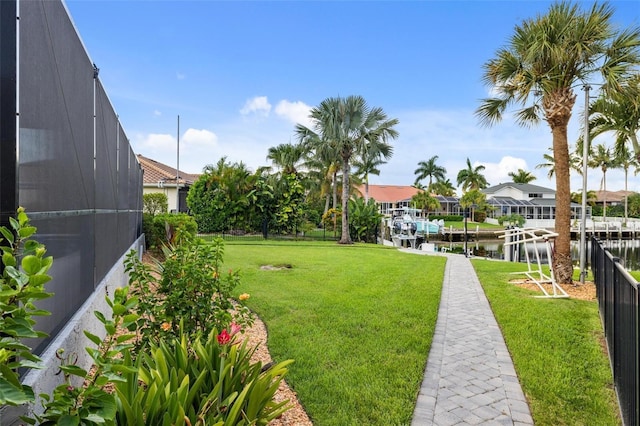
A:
[406,226]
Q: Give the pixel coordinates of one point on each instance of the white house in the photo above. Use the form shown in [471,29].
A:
[535,203]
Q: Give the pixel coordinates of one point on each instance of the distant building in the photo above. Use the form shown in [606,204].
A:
[535,203]
[160,178]
[613,198]
[390,197]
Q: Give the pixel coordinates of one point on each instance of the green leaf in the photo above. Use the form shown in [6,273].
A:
[26,231]
[95,339]
[8,235]
[31,264]
[100,316]
[68,420]
[118,309]
[39,280]
[14,395]
[74,370]
[8,259]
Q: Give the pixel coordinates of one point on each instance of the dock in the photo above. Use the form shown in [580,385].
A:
[474,233]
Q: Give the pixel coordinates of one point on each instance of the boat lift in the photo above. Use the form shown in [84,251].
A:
[533,236]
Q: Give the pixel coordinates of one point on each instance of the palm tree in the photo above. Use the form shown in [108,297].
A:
[549,163]
[592,197]
[620,114]
[626,160]
[522,176]
[444,188]
[472,178]
[367,164]
[425,202]
[349,127]
[575,162]
[431,170]
[603,159]
[286,156]
[538,69]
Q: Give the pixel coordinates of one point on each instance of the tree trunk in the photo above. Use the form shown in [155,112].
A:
[327,200]
[562,263]
[626,195]
[334,189]
[366,189]
[604,195]
[345,238]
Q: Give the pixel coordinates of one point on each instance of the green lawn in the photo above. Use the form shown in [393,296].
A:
[358,321]
[472,225]
[555,346]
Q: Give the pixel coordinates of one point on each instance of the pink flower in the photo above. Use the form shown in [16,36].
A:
[235,328]
[224,337]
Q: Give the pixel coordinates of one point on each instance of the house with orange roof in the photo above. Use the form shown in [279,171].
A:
[161,178]
[390,197]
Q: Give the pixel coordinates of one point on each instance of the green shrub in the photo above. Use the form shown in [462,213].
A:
[169,228]
[91,404]
[479,216]
[24,274]
[207,381]
[185,380]
[155,203]
[187,289]
[511,219]
[364,220]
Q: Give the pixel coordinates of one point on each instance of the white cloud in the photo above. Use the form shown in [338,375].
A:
[200,137]
[156,141]
[296,112]
[180,76]
[496,173]
[258,105]
[157,113]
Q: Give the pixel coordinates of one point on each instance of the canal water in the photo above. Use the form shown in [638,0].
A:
[627,250]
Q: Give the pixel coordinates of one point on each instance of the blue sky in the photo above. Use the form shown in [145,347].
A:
[240,74]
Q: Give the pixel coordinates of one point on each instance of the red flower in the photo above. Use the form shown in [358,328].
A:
[224,337]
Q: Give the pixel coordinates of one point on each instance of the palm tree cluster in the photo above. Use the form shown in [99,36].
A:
[347,143]
[544,61]
[345,129]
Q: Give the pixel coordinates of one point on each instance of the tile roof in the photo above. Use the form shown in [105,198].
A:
[524,187]
[155,172]
[612,196]
[390,193]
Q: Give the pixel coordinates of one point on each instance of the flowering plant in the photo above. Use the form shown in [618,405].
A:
[188,288]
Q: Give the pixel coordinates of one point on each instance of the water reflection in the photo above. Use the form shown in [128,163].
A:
[627,250]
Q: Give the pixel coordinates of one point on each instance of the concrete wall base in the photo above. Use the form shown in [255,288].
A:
[72,339]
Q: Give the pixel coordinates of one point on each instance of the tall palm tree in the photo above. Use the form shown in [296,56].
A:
[544,60]
[472,178]
[350,127]
[603,159]
[431,170]
[626,160]
[522,176]
[575,162]
[620,114]
[367,164]
[549,163]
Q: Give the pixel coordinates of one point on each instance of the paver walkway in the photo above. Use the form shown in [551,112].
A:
[470,378]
